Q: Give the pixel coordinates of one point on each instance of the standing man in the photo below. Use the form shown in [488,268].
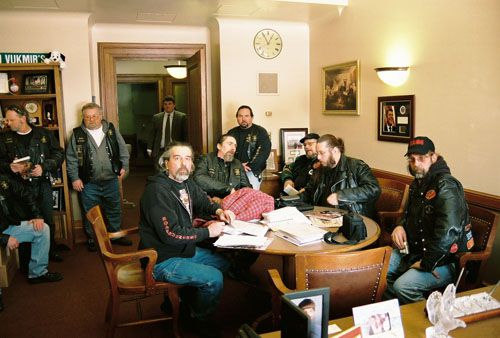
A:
[46,156]
[254,145]
[341,179]
[298,173]
[435,227]
[169,125]
[169,204]
[96,158]
[220,174]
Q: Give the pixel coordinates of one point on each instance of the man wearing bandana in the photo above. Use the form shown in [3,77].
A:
[169,204]
[434,228]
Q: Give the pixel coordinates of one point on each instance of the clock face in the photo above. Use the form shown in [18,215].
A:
[267,43]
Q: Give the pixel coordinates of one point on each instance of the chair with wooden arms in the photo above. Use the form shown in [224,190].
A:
[128,281]
[390,206]
[484,227]
[354,278]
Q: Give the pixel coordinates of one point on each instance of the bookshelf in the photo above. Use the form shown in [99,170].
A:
[40,93]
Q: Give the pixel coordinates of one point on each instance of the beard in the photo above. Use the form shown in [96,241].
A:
[331,163]
[244,125]
[416,172]
[228,157]
[182,174]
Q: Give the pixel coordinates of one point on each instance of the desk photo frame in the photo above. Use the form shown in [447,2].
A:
[305,313]
[290,146]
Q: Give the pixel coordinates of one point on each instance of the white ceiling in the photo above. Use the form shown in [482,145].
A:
[185,12]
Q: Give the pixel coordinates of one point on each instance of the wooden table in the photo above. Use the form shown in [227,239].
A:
[415,321]
[287,250]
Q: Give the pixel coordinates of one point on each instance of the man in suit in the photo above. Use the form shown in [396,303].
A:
[390,122]
[169,125]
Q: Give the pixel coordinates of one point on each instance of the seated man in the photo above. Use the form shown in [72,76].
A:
[298,173]
[341,180]
[21,221]
[220,173]
[168,205]
[435,226]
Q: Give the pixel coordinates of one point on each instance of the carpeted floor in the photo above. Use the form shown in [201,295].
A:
[75,306]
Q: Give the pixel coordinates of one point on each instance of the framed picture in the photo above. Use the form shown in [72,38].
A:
[4,83]
[290,146]
[272,162]
[341,89]
[56,199]
[379,319]
[396,116]
[34,109]
[36,84]
[305,313]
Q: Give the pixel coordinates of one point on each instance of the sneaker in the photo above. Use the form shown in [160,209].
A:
[91,245]
[123,241]
[49,277]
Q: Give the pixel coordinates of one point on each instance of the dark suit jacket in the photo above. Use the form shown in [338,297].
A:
[178,131]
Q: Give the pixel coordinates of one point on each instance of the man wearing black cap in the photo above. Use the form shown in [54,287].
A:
[435,227]
[297,174]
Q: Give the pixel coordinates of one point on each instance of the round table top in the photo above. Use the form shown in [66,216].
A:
[283,247]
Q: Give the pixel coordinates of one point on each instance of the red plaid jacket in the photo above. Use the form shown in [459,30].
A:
[248,204]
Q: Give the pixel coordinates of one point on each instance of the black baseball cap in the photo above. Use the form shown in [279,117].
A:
[310,136]
[420,145]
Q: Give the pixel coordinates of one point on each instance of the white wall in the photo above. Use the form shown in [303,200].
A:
[239,68]
[54,31]
[453,48]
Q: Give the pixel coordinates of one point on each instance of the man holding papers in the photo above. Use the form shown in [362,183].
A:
[170,202]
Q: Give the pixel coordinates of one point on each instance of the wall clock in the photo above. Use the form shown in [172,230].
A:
[267,43]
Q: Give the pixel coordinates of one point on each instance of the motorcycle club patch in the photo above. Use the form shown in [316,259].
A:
[43,139]
[237,172]
[430,194]
[110,132]
[454,248]
[4,184]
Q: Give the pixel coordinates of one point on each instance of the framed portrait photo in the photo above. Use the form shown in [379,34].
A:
[396,116]
[305,313]
[290,146]
[36,84]
[382,319]
[272,162]
[341,89]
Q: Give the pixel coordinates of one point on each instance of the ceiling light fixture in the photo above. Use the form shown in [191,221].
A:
[177,70]
[393,76]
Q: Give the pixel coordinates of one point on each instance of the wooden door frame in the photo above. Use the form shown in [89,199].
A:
[109,53]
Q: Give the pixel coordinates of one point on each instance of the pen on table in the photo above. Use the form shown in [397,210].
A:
[494,288]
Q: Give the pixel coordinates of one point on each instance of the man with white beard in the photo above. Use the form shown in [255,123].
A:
[219,173]
[168,205]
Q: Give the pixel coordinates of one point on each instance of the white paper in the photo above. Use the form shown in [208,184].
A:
[22,159]
[285,214]
[250,228]
[242,241]
[291,191]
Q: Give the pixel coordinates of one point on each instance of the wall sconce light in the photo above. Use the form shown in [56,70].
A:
[177,70]
[393,76]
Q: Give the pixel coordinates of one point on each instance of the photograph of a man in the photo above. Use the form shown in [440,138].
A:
[389,120]
[309,307]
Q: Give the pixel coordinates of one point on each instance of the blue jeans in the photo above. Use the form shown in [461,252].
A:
[203,271]
[40,244]
[412,285]
[254,180]
[107,195]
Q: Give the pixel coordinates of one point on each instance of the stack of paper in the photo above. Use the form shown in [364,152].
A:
[283,217]
[248,228]
[242,242]
[301,234]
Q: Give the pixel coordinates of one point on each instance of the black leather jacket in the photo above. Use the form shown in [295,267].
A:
[17,203]
[216,179]
[299,172]
[44,149]
[351,179]
[436,217]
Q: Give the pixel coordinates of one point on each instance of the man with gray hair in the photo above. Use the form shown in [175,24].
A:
[96,157]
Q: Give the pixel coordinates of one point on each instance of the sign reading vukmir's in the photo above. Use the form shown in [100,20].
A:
[22,57]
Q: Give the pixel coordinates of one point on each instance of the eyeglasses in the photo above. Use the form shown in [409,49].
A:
[418,158]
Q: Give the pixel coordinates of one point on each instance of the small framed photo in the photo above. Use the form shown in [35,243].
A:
[382,319]
[396,116]
[56,199]
[305,313]
[341,89]
[36,84]
[34,110]
[290,146]
[272,162]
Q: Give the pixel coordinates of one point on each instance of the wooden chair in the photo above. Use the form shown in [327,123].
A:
[354,278]
[390,206]
[484,227]
[127,280]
